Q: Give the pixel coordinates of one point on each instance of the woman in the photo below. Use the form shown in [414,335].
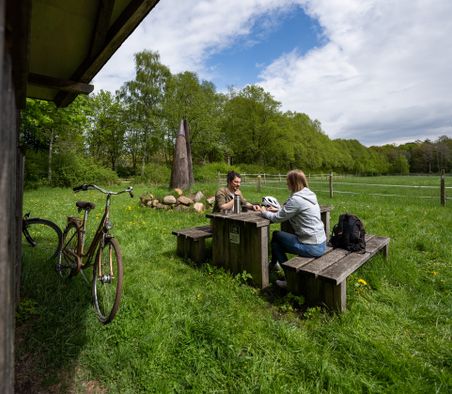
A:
[303,212]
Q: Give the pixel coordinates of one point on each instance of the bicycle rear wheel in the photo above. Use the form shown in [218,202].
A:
[107,280]
[69,263]
[44,236]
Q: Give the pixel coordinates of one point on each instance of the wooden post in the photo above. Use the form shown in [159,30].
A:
[331,184]
[10,208]
[443,188]
[258,183]
[279,177]
[265,179]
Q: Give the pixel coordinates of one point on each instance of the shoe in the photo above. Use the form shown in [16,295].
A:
[275,267]
[282,284]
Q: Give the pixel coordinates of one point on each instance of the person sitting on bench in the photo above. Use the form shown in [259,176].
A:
[303,213]
[224,197]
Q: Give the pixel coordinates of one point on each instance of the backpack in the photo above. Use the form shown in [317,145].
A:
[349,234]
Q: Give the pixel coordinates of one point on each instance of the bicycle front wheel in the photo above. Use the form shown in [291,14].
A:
[44,236]
[107,280]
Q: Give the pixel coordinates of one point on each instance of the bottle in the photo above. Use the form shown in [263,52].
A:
[237,206]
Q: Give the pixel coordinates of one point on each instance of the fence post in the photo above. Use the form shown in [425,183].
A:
[219,178]
[279,177]
[265,179]
[258,183]
[443,188]
[330,181]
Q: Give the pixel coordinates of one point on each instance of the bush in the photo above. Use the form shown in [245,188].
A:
[209,172]
[71,170]
[157,174]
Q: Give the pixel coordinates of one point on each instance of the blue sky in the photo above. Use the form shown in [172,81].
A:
[241,64]
[372,70]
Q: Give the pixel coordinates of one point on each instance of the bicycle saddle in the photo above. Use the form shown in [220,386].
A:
[85,205]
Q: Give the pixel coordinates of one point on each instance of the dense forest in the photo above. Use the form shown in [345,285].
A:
[131,134]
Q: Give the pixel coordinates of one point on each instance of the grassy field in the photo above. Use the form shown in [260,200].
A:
[183,328]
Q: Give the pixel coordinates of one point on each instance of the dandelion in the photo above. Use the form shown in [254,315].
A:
[362,282]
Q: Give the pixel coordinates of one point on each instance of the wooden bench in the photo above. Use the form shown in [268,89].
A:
[323,280]
[191,242]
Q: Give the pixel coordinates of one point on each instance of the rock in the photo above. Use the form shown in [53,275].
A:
[149,203]
[184,200]
[169,200]
[181,207]
[178,191]
[145,198]
[198,196]
[155,203]
[162,206]
[211,200]
[199,207]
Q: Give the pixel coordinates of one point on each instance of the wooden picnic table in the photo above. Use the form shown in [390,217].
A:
[240,242]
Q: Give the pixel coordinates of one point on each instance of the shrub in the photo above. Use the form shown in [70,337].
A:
[209,172]
[71,170]
[157,174]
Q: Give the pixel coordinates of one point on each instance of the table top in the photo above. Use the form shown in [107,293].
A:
[244,217]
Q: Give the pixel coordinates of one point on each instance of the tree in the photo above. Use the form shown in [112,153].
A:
[199,104]
[143,98]
[105,137]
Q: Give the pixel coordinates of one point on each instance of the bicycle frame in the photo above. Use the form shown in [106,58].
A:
[103,228]
[101,233]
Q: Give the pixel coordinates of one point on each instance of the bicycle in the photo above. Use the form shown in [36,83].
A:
[44,236]
[103,254]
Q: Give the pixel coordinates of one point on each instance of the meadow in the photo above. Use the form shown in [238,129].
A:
[187,328]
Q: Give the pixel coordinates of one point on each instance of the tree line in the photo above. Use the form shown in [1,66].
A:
[132,133]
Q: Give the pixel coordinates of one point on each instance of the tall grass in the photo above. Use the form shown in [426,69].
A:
[183,328]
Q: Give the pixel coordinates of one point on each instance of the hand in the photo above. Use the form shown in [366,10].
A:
[256,208]
[238,192]
[272,209]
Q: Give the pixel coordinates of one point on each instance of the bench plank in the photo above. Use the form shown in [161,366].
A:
[191,242]
[350,263]
[321,263]
[323,280]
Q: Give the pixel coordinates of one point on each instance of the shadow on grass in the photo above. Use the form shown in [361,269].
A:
[50,326]
[277,297]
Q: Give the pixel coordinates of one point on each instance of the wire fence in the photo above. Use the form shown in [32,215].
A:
[427,187]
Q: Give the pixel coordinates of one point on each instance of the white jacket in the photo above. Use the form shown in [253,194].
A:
[303,212]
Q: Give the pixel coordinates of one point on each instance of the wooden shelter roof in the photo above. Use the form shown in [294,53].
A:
[66,42]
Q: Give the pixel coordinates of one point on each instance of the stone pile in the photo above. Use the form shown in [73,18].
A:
[178,201]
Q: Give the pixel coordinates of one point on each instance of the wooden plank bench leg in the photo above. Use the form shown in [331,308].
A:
[198,250]
[335,296]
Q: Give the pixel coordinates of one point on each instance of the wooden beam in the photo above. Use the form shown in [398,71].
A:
[60,84]
[104,13]
[17,38]
[123,26]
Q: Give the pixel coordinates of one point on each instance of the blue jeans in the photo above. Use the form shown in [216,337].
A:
[283,243]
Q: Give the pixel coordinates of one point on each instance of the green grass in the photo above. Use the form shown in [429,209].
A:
[182,328]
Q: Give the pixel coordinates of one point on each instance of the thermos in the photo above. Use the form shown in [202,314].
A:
[237,206]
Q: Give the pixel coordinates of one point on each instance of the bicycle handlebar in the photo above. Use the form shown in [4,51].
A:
[86,187]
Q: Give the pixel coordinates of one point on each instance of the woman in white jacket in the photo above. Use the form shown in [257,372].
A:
[303,212]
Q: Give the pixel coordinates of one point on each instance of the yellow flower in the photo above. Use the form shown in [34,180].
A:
[434,273]
[362,282]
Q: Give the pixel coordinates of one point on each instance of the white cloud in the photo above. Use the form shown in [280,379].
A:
[185,33]
[384,75]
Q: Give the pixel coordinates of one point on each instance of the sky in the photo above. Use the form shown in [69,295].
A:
[379,71]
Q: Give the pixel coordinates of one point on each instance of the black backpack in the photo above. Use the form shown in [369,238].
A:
[349,234]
